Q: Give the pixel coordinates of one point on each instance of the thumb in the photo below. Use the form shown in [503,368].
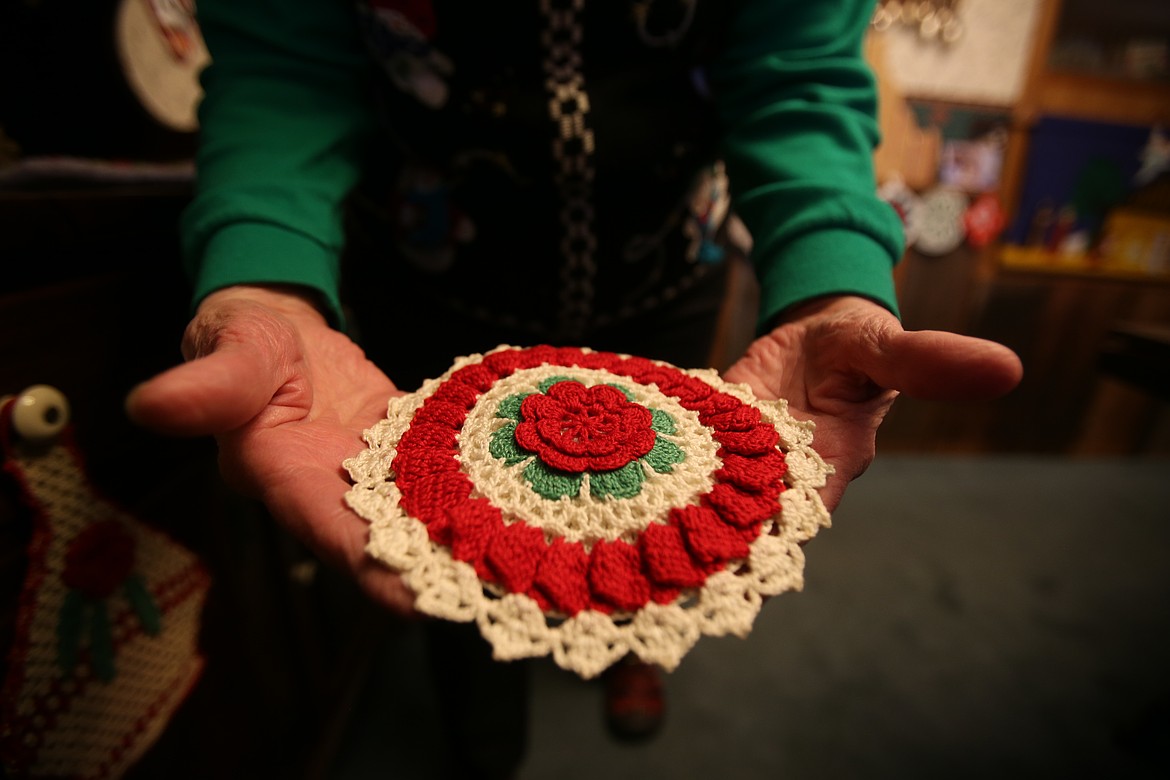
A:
[941,366]
[212,394]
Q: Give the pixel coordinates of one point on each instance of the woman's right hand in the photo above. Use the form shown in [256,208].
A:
[287,398]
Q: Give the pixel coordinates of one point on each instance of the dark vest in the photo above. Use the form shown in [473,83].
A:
[550,163]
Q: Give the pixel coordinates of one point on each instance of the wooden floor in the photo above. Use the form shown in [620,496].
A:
[1060,326]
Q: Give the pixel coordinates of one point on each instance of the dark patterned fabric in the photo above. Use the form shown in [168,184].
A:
[551,168]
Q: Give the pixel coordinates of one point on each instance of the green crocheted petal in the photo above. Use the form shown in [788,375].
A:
[552,380]
[509,408]
[661,421]
[70,622]
[504,446]
[664,455]
[552,484]
[625,482]
[101,642]
[138,594]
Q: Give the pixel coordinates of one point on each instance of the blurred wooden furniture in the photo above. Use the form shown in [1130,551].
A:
[1057,89]
[1063,324]
[93,301]
[908,151]
[1139,353]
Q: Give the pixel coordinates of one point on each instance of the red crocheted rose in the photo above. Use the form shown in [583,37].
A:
[99,559]
[545,415]
[576,428]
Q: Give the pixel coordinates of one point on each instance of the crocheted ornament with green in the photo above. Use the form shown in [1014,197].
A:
[586,504]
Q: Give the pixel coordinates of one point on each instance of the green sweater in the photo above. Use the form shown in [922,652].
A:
[287,119]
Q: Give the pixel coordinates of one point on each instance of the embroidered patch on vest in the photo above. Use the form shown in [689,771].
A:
[586,505]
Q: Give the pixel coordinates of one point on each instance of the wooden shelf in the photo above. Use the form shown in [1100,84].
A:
[1040,260]
[1098,98]
[1057,89]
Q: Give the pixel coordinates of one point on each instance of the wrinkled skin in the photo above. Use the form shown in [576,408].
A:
[287,398]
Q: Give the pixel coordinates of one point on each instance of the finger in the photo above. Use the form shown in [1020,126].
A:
[386,587]
[312,506]
[208,395]
[941,366]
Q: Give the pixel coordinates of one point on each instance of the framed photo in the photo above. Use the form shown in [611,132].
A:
[973,140]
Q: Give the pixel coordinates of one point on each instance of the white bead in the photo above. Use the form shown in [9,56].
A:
[40,413]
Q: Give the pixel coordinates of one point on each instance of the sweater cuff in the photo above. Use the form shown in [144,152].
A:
[266,254]
[827,262]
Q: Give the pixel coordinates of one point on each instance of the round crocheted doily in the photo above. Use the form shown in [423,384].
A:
[586,505]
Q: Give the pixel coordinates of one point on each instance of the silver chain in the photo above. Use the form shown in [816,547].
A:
[573,151]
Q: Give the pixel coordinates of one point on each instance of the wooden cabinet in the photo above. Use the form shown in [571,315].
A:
[1059,318]
[1093,62]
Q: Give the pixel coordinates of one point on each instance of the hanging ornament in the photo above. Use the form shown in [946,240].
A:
[937,221]
[930,20]
[984,220]
[905,202]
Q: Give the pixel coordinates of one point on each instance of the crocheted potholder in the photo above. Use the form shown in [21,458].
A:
[106,643]
[586,504]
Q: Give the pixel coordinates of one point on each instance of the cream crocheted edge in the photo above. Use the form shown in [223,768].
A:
[591,641]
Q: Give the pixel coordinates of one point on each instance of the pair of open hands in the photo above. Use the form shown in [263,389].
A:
[287,398]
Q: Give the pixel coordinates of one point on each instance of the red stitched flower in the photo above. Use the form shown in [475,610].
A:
[576,428]
[99,559]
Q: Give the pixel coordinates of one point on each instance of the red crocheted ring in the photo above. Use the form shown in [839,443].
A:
[568,429]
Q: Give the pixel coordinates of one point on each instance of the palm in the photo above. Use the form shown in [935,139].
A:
[287,398]
[842,362]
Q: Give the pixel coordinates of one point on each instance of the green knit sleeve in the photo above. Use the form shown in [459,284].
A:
[798,106]
[283,120]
